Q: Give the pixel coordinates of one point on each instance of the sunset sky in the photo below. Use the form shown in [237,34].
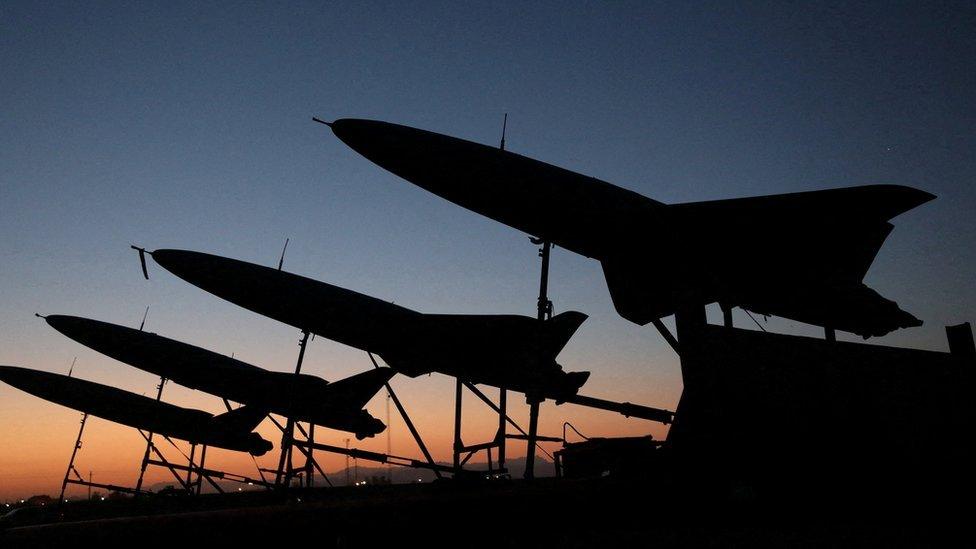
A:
[175,125]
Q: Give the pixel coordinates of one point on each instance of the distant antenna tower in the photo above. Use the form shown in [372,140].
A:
[75,359]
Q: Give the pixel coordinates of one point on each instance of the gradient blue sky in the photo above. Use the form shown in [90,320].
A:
[188,126]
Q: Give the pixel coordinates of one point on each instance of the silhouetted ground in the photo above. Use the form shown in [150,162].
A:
[591,513]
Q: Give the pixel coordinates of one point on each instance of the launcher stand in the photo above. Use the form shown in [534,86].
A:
[145,457]
[189,483]
[544,312]
[286,469]
[194,485]
[79,480]
[497,443]
[463,453]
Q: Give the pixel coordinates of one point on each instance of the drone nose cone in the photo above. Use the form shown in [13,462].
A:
[22,378]
[384,143]
[185,264]
[83,330]
[9,372]
[360,135]
[65,324]
[436,162]
[348,127]
[342,125]
[170,259]
[57,321]
[213,273]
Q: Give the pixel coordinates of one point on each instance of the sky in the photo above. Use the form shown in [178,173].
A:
[188,125]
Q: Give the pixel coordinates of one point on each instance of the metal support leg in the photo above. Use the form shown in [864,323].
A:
[477,392]
[162,460]
[544,312]
[689,324]
[289,433]
[502,427]
[667,335]
[145,457]
[71,462]
[533,433]
[309,460]
[284,458]
[543,305]
[290,465]
[726,315]
[189,470]
[306,448]
[408,422]
[203,458]
[457,426]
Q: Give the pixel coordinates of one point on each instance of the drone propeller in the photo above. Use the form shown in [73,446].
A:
[142,259]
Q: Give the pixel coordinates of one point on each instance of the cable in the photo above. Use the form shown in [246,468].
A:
[575,430]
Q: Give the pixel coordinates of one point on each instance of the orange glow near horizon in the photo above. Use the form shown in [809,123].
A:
[36,436]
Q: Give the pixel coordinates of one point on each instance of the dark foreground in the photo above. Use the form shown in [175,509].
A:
[593,513]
